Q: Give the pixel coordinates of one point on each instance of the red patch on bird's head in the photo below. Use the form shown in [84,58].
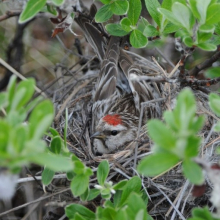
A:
[113,119]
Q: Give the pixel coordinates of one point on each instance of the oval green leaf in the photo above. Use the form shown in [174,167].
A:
[119,7]
[116,30]
[137,39]
[134,11]
[102,172]
[103,14]
[31,9]
[157,163]
[193,172]
[58,2]
[79,184]
[47,176]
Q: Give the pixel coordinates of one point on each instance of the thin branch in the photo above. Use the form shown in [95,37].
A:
[9,14]
[6,65]
[206,64]
[32,202]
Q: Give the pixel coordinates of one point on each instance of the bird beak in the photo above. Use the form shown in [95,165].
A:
[98,135]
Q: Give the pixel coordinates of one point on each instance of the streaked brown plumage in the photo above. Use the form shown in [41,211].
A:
[118,92]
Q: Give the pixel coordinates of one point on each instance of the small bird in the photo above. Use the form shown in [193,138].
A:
[118,92]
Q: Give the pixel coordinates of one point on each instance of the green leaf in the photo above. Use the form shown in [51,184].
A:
[102,172]
[183,15]
[31,9]
[18,137]
[198,123]
[193,172]
[78,217]
[217,28]
[120,185]
[51,9]
[133,185]
[72,209]
[195,218]
[54,132]
[105,1]
[4,136]
[202,37]
[56,144]
[93,193]
[215,39]
[119,7]
[192,146]
[214,103]
[188,41]
[150,31]
[40,119]
[213,14]
[79,184]
[137,211]
[161,135]
[24,92]
[152,6]
[103,14]
[108,213]
[157,163]
[126,24]
[116,30]
[70,175]
[202,213]
[84,196]
[79,167]
[194,9]
[58,2]
[3,99]
[137,39]
[134,11]
[11,88]
[217,127]
[170,28]
[207,28]
[167,4]
[47,176]
[53,162]
[180,1]
[170,16]
[121,215]
[185,110]
[207,46]
[201,7]
[29,107]
[213,72]
[142,23]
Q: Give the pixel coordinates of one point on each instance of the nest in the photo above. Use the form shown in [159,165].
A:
[167,192]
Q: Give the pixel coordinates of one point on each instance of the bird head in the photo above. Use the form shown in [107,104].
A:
[112,132]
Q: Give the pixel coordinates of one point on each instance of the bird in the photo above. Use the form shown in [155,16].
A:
[118,92]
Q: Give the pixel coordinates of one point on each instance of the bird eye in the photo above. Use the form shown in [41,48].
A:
[114,132]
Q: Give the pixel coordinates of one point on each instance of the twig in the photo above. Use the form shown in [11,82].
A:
[162,70]
[179,213]
[9,14]
[180,195]
[32,202]
[165,57]
[206,64]
[6,65]
[28,179]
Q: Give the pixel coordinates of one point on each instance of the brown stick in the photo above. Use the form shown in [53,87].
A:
[9,14]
